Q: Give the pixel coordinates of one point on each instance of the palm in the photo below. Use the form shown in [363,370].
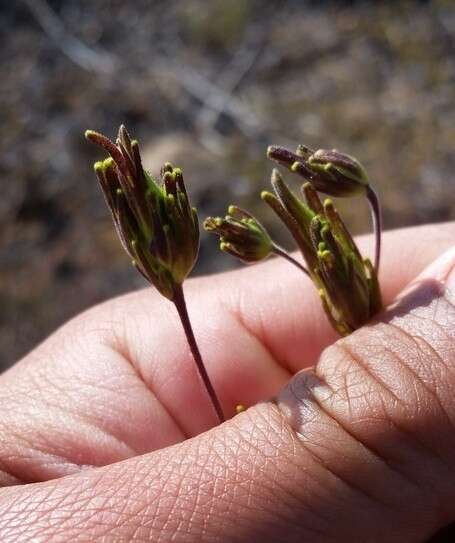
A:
[119,380]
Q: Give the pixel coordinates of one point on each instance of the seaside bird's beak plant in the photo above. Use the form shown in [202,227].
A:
[157,226]
[159,230]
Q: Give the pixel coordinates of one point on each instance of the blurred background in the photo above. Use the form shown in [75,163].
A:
[207,86]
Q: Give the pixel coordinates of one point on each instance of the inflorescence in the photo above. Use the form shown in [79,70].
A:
[159,230]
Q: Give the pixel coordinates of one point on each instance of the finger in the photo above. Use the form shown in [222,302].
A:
[255,327]
[120,381]
[363,449]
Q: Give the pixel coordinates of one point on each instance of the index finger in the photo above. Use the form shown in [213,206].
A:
[255,326]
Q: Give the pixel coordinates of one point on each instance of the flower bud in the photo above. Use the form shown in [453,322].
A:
[331,172]
[154,220]
[335,174]
[241,235]
[340,174]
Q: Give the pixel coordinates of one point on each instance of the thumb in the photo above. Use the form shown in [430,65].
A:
[362,448]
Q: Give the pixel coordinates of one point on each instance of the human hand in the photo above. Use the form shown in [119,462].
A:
[98,417]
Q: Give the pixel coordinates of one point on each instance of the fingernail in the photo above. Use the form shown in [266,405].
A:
[449,287]
[443,271]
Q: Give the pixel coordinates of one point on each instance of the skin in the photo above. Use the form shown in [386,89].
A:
[107,435]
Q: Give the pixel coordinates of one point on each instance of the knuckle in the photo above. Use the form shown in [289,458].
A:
[391,388]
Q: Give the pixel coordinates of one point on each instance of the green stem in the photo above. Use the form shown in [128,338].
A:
[281,252]
[180,304]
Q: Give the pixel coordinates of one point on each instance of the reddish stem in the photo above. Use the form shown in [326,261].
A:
[180,304]
[376,215]
[284,254]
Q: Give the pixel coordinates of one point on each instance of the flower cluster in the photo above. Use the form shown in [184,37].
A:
[154,220]
[335,174]
[157,226]
[159,229]
[331,172]
[346,282]
[241,235]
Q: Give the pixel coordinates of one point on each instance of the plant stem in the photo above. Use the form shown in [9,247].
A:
[180,304]
[281,252]
[376,216]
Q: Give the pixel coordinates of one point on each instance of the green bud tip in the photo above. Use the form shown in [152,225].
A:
[103,165]
[89,134]
[326,256]
[295,166]
[119,192]
[224,246]
[208,223]
[232,210]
